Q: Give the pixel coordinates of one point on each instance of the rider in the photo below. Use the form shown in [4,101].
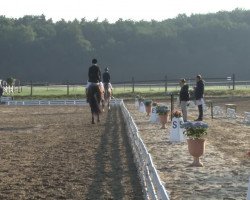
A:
[94,75]
[106,78]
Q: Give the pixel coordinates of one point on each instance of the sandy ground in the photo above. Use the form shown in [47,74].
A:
[226,168]
[55,153]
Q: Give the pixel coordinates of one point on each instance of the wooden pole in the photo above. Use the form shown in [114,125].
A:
[67,88]
[212,109]
[133,84]
[172,105]
[233,76]
[31,88]
[166,84]
[19,86]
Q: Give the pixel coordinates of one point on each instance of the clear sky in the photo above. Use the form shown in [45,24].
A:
[112,10]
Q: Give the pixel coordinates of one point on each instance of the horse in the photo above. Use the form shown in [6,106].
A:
[107,94]
[95,96]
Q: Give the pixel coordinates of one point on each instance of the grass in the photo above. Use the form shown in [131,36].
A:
[78,92]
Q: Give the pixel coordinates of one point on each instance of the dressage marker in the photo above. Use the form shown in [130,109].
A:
[218,111]
[246,117]
[154,118]
[231,114]
[176,132]
[142,108]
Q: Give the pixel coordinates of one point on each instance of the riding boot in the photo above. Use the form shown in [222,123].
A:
[200,108]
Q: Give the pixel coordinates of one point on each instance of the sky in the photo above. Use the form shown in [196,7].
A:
[112,10]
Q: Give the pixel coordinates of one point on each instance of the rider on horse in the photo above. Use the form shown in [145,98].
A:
[106,79]
[94,76]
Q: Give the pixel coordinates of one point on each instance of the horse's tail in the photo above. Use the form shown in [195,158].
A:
[94,101]
[95,105]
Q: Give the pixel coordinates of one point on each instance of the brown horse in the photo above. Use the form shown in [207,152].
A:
[95,97]
[107,95]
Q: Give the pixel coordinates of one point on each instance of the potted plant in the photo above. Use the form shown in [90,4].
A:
[196,131]
[177,114]
[148,106]
[163,112]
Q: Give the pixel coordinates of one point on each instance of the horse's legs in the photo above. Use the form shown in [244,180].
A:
[103,104]
[108,104]
[93,119]
[98,119]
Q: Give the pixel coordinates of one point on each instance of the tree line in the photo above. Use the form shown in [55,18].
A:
[38,49]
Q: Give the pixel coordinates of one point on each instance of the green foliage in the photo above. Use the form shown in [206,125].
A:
[195,130]
[10,81]
[162,109]
[213,44]
[196,133]
[147,102]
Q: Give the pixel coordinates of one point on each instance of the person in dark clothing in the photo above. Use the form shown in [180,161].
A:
[184,98]
[106,76]
[94,72]
[94,77]
[106,79]
[199,96]
[1,91]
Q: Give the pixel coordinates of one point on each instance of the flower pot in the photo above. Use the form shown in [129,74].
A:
[148,109]
[163,120]
[196,148]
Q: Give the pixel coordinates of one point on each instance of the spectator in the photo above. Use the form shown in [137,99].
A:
[1,91]
[184,98]
[199,96]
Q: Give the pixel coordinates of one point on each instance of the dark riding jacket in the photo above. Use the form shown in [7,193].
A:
[94,74]
[106,77]
[199,90]
[184,94]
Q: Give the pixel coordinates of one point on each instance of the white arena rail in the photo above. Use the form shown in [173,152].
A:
[152,185]
[50,102]
[45,102]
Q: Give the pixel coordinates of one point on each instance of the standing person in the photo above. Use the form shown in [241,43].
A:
[199,95]
[1,91]
[184,98]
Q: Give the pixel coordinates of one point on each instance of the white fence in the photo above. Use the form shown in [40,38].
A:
[151,183]
[45,102]
[153,187]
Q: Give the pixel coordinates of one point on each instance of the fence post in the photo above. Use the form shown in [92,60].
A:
[67,88]
[172,105]
[31,88]
[19,86]
[166,84]
[233,77]
[212,109]
[133,84]
[248,191]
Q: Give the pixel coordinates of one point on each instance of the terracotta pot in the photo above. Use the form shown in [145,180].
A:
[196,148]
[163,120]
[148,109]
